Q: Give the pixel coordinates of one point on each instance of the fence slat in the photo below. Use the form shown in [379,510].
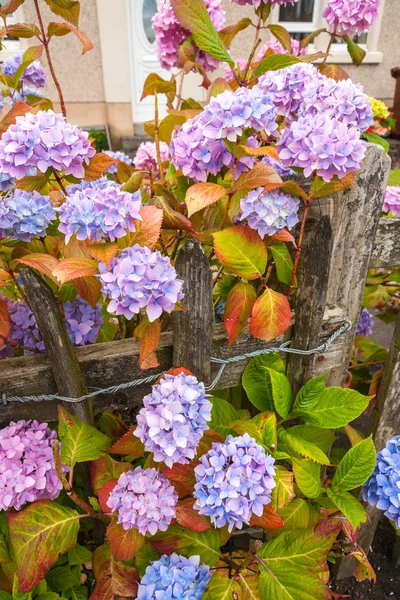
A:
[386,252]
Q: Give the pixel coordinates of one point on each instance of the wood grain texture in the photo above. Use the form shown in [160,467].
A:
[386,252]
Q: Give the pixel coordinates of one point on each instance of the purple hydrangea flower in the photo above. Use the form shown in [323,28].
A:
[25,215]
[287,87]
[83,322]
[102,183]
[41,141]
[24,331]
[383,487]
[145,500]
[321,144]
[279,168]
[173,418]
[234,480]
[118,156]
[174,577]
[350,17]
[170,34]
[365,323]
[7,183]
[1,102]
[146,155]
[344,100]
[34,74]
[27,471]
[140,278]
[240,66]
[277,48]
[99,213]
[23,95]
[392,200]
[269,212]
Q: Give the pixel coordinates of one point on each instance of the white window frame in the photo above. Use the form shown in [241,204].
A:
[338,52]
[10,47]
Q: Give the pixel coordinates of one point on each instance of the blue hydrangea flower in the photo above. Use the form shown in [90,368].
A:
[99,213]
[173,418]
[279,168]
[25,215]
[383,487]
[234,481]
[34,74]
[118,156]
[24,330]
[102,183]
[83,322]
[144,500]
[269,212]
[365,323]
[140,278]
[219,311]
[7,183]
[173,577]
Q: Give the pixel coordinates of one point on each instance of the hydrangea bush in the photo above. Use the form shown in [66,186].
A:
[103,231]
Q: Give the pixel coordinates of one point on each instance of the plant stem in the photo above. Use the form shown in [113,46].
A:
[179,96]
[157,139]
[231,192]
[299,246]
[17,285]
[45,42]
[176,246]
[329,47]
[59,181]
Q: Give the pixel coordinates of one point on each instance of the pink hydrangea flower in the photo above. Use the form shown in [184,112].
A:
[146,155]
[240,65]
[350,17]
[277,48]
[392,200]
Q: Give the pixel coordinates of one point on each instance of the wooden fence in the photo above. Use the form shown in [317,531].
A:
[344,237]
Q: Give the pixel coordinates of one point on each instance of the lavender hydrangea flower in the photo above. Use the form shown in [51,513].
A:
[140,278]
[34,74]
[286,87]
[344,100]
[174,577]
[102,183]
[144,500]
[240,67]
[234,480]
[27,471]
[173,418]
[365,323]
[99,213]
[170,34]
[41,141]
[23,95]
[83,322]
[269,212]
[321,144]
[7,183]
[277,48]
[382,488]
[118,156]
[25,215]
[350,17]
[392,200]
[24,330]
[146,155]
[279,168]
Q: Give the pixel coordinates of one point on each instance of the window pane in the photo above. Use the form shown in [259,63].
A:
[301,11]
[149,9]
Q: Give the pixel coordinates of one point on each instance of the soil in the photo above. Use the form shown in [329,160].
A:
[387,586]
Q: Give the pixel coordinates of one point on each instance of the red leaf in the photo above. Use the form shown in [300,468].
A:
[177,371]
[128,444]
[241,250]
[113,579]
[60,29]
[271,316]
[147,231]
[284,236]
[149,336]
[269,520]
[19,109]
[106,469]
[98,165]
[73,268]
[104,493]
[88,288]
[188,517]
[44,263]
[124,544]
[238,309]
[5,322]
[182,477]
[201,195]
[104,252]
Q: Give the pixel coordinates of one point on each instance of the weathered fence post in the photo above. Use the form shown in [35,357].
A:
[64,365]
[192,329]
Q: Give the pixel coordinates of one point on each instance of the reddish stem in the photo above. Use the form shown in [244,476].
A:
[299,246]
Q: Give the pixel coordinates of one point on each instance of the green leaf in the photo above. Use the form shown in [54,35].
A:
[282,35]
[293,564]
[352,509]
[221,587]
[222,413]
[323,438]
[193,16]
[79,555]
[5,595]
[229,33]
[335,407]
[307,474]
[256,379]
[67,9]
[320,188]
[281,392]
[254,427]
[61,578]
[275,62]
[296,445]
[39,534]
[356,52]
[373,138]
[48,596]
[269,435]
[308,395]
[355,467]
[155,84]
[17,594]
[79,442]
[283,492]
[190,543]
[241,250]
[144,556]
[283,262]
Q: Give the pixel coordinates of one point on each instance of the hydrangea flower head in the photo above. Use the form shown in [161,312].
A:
[99,213]
[234,480]
[140,278]
[7,183]
[83,322]
[34,74]
[24,330]
[240,67]
[144,500]
[41,141]
[146,155]
[365,323]
[118,156]
[173,418]
[344,100]
[25,215]
[350,17]
[27,471]
[269,212]
[382,488]
[392,200]
[277,48]
[101,183]
[174,577]
[323,144]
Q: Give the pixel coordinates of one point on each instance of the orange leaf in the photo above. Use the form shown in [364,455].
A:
[75,248]
[60,29]
[293,188]
[128,444]
[260,175]
[321,188]
[88,288]
[284,236]
[72,268]
[271,316]
[241,250]
[114,579]
[147,231]
[149,336]
[44,263]
[238,309]
[177,371]
[333,71]
[263,151]
[19,109]
[269,520]
[188,517]
[201,195]
[182,477]
[104,252]
[98,165]
[124,544]
[5,322]
[104,493]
